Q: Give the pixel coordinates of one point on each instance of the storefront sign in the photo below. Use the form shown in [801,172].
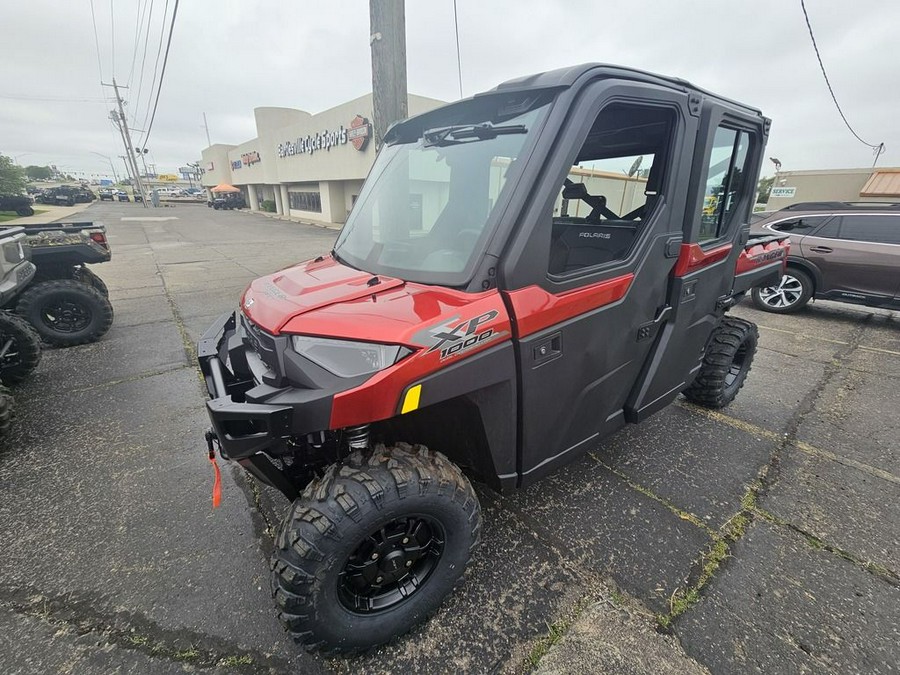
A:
[167,178]
[358,134]
[250,158]
[210,166]
[787,192]
[236,164]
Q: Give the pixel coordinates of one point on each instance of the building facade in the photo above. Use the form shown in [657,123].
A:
[309,167]
[834,185]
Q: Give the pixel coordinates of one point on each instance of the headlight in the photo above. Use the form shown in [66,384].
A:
[345,358]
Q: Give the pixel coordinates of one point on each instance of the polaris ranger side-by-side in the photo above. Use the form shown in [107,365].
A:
[524,273]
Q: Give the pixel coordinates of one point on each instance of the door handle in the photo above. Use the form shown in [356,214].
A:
[821,249]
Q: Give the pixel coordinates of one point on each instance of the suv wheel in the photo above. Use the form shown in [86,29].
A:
[372,548]
[791,295]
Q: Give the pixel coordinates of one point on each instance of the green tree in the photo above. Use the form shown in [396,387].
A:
[38,172]
[12,177]
[763,188]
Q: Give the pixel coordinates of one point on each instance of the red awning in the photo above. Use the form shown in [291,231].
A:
[225,187]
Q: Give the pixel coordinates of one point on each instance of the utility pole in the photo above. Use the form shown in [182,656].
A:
[127,168]
[129,148]
[206,126]
[387,19]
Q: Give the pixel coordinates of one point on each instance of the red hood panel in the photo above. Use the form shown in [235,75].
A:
[274,300]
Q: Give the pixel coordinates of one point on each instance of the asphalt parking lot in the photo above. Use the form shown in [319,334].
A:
[763,538]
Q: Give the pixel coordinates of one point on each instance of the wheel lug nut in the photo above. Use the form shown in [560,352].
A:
[405,540]
[374,556]
[379,580]
[409,563]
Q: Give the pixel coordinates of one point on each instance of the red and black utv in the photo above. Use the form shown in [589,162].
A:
[524,273]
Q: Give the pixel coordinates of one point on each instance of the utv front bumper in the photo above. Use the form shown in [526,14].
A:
[261,392]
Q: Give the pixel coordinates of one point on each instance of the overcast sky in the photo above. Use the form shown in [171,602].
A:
[229,56]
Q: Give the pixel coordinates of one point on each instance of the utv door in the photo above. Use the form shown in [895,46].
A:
[722,190]
[586,278]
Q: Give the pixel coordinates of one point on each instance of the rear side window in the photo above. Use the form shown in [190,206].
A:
[879,229]
[725,178]
[802,225]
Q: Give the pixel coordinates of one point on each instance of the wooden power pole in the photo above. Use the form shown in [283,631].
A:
[387,19]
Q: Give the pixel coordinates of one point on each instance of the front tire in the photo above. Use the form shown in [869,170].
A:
[726,363]
[791,295]
[372,548]
[6,410]
[25,211]
[22,354]
[66,312]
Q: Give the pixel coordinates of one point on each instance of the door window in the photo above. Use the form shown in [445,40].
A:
[803,225]
[612,189]
[725,179]
[880,229]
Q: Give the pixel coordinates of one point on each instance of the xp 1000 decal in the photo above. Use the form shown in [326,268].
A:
[458,336]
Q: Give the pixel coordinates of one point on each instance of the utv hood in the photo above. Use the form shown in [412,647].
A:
[327,298]
[274,300]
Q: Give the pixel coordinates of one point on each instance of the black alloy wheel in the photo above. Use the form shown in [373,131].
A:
[66,312]
[371,549]
[391,564]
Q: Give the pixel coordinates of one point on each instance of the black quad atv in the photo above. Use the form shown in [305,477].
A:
[66,302]
[21,204]
[540,297]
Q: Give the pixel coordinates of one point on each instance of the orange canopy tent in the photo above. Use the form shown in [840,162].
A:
[225,187]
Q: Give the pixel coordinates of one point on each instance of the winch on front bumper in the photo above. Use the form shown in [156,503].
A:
[262,393]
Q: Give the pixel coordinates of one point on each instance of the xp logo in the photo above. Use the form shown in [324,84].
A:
[359,132]
[455,338]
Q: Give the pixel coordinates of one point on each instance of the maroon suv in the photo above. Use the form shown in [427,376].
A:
[843,251]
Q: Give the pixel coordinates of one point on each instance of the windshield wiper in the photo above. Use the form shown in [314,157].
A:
[462,132]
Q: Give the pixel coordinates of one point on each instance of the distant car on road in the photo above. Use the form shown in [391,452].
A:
[107,195]
[122,196]
[843,251]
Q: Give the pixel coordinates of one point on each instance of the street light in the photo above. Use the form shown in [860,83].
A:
[111,166]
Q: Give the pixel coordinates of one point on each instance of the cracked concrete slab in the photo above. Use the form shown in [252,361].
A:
[609,528]
[842,505]
[780,606]
[691,460]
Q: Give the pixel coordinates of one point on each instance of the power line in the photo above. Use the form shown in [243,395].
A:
[162,75]
[143,61]
[17,97]
[879,148]
[162,38]
[458,62]
[96,40]
[112,23]
[139,17]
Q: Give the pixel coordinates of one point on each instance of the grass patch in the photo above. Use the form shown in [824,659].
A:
[187,654]
[232,661]
[555,632]
[12,215]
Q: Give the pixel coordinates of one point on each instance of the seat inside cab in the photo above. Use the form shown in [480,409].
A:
[613,187]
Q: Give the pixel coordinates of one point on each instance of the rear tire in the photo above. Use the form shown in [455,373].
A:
[726,363]
[23,354]
[791,295]
[372,548]
[25,211]
[66,312]
[6,410]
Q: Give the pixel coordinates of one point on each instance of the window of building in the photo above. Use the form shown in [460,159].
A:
[305,201]
[612,189]
[725,177]
[879,229]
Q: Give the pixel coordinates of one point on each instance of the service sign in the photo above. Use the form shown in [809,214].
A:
[787,192]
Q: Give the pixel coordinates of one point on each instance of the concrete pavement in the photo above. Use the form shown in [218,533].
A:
[761,538]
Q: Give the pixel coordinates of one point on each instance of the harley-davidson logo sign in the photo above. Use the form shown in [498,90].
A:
[360,131]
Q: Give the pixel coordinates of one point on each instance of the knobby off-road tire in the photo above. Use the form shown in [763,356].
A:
[6,410]
[376,516]
[23,354]
[66,312]
[25,211]
[78,273]
[726,363]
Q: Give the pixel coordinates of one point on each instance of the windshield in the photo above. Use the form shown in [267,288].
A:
[423,212]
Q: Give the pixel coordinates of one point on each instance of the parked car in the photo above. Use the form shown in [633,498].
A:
[21,204]
[122,196]
[230,200]
[843,251]
[107,194]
